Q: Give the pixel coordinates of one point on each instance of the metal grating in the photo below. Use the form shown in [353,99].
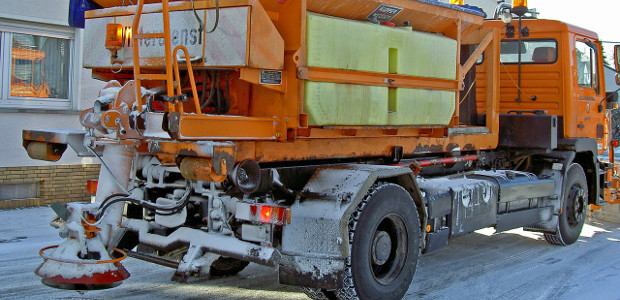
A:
[17,191]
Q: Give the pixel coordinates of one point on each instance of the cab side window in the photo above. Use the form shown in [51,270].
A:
[587,72]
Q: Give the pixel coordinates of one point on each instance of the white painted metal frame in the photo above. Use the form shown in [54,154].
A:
[6,34]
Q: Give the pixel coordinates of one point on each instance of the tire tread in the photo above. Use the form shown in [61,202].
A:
[557,238]
[348,292]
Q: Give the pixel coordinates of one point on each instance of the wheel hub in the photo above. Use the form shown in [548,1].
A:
[576,205]
[381,248]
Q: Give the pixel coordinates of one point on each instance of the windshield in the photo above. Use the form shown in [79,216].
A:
[532,51]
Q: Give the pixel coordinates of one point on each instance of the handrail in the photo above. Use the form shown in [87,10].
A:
[191,77]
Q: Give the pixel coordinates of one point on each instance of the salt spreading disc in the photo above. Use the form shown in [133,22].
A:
[97,281]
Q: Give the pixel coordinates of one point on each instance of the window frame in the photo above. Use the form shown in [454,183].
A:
[594,66]
[33,103]
[557,51]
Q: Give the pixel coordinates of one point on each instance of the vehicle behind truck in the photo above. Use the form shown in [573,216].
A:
[336,141]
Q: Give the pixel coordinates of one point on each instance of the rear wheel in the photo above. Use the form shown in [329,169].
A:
[384,234]
[227,266]
[574,207]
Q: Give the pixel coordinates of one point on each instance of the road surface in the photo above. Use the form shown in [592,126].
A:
[483,265]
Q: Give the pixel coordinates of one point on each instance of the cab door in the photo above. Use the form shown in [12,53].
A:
[583,119]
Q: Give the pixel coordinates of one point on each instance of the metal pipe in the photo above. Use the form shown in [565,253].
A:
[208,242]
[447,160]
[519,64]
[153,259]
[118,159]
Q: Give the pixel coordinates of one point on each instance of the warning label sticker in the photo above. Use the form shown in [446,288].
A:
[384,13]
[270,77]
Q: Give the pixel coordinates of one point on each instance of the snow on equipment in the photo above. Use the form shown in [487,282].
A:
[333,140]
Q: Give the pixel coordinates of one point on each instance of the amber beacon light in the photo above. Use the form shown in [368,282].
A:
[114,37]
[519,7]
[457,2]
[114,40]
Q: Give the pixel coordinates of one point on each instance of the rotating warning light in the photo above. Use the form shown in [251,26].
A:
[517,3]
[114,37]
[519,7]
[114,41]
[456,2]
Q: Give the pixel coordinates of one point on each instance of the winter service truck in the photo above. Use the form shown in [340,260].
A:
[334,140]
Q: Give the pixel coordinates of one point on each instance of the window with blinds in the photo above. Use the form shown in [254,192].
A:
[36,68]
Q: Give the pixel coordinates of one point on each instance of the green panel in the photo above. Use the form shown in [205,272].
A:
[362,46]
[349,104]
[343,44]
[345,104]
[420,107]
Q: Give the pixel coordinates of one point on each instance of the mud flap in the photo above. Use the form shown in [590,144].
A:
[316,243]
[311,272]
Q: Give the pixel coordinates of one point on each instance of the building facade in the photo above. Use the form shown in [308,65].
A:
[42,85]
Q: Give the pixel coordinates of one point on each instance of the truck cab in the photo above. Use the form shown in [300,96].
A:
[552,93]
[560,75]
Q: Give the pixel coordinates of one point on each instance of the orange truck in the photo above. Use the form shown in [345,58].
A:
[334,140]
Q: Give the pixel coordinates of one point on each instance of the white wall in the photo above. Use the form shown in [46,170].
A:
[44,14]
[41,11]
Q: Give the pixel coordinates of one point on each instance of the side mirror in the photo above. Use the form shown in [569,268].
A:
[618,79]
[612,100]
[617,58]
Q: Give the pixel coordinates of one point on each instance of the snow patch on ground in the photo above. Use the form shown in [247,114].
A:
[508,265]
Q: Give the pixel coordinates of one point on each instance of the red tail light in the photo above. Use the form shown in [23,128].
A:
[91,186]
[266,214]
[274,215]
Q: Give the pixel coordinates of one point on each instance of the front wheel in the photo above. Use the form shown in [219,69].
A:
[384,235]
[574,205]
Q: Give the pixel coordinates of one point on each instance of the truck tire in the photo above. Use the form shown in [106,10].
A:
[574,207]
[319,294]
[227,266]
[384,234]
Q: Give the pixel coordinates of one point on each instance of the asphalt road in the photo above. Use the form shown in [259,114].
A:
[483,265]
